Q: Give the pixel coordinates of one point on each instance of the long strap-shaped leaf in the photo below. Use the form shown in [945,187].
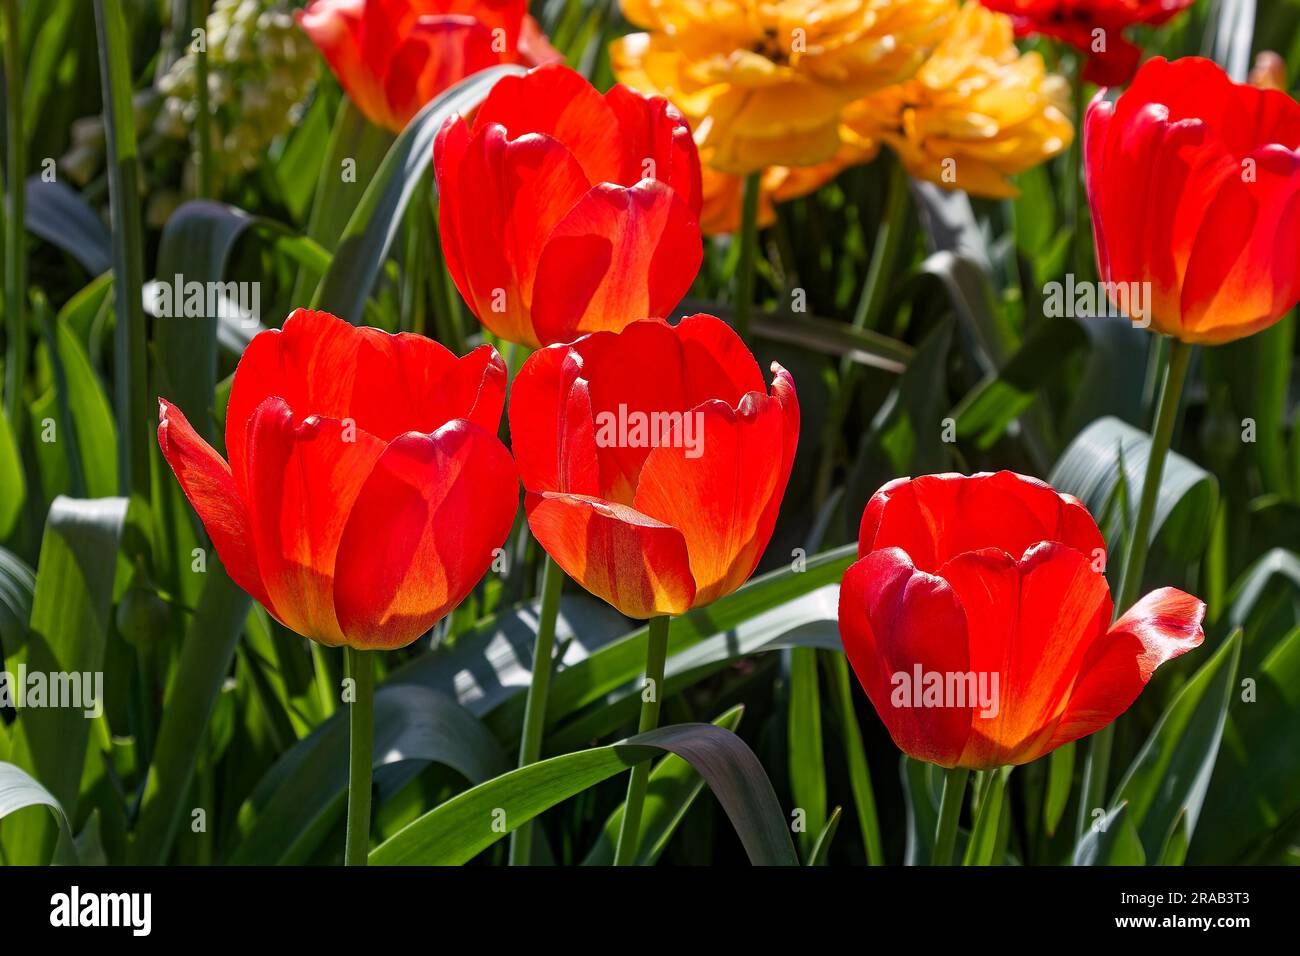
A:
[373,227]
[19,790]
[304,794]
[464,826]
[69,629]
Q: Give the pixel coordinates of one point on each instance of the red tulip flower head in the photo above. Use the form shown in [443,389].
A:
[1194,184]
[978,620]
[366,489]
[564,212]
[1094,27]
[654,460]
[394,56]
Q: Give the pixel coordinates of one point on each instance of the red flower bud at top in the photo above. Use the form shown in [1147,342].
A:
[394,56]
[1094,27]
[564,212]
[1194,184]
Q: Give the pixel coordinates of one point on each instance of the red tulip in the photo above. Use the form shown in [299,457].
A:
[1194,183]
[978,620]
[366,489]
[654,460]
[1094,27]
[394,56]
[565,212]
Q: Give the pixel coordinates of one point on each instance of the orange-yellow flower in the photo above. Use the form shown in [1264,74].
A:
[975,114]
[763,82]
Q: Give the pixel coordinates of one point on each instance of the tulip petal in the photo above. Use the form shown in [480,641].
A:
[633,562]
[422,533]
[1161,626]
[508,197]
[551,426]
[449,149]
[210,488]
[718,364]
[302,480]
[638,372]
[386,384]
[1031,622]
[435,54]
[559,103]
[654,130]
[337,29]
[621,254]
[894,620]
[936,517]
[1236,282]
[714,480]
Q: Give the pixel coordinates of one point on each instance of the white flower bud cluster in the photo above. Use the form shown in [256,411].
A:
[261,68]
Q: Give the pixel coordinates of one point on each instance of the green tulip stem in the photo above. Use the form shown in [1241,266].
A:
[530,745]
[945,835]
[361,724]
[629,833]
[748,253]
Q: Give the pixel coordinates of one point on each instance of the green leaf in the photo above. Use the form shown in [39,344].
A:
[492,664]
[772,631]
[1253,805]
[57,213]
[302,797]
[19,790]
[982,849]
[461,828]
[85,415]
[1060,777]
[1254,376]
[131,397]
[13,486]
[906,435]
[1168,779]
[673,787]
[1278,570]
[17,587]
[69,627]
[1113,841]
[623,660]
[1175,852]
[806,758]
[370,232]
[1002,397]
[1090,469]
[922,810]
[204,663]
[822,847]
[855,757]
